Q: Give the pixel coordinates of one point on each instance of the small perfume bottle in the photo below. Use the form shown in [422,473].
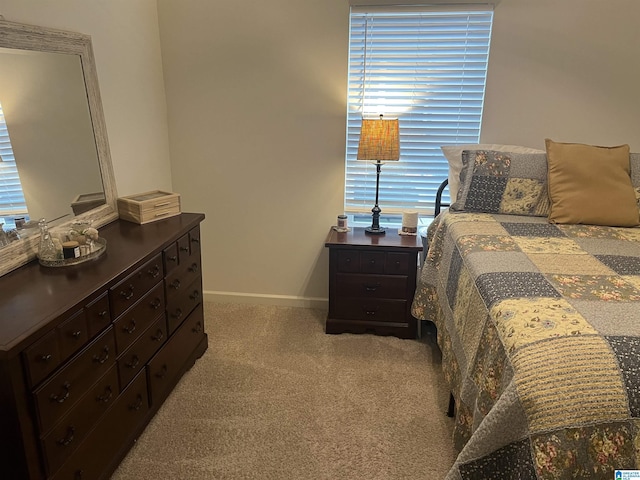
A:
[47,249]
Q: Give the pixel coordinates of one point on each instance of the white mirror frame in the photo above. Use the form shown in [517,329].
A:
[41,39]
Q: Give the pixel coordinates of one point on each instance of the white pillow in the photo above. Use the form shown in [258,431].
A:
[453,154]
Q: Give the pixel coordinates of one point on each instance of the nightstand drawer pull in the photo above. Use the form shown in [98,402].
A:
[372,288]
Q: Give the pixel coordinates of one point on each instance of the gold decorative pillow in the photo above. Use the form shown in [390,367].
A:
[590,185]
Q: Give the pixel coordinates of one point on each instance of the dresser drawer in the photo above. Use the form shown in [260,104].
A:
[179,307]
[377,286]
[63,390]
[112,433]
[72,334]
[166,365]
[374,310]
[127,292]
[42,357]
[134,359]
[130,326]
[98,314]
[65,437]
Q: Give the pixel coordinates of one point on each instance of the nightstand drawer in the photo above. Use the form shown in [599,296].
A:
[398,263]
[374,310]
[377,286]
[367,261]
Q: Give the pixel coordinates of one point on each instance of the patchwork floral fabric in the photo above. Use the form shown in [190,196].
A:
[539,325]
[503,182]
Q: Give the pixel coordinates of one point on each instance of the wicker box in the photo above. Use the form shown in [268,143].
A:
[149,206]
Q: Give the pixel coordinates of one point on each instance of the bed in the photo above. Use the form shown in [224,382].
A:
[538,322]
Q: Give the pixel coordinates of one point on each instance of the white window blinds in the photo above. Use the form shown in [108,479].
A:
[427,67]
[11,198]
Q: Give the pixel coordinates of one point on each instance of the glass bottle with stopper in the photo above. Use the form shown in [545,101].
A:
[47,249]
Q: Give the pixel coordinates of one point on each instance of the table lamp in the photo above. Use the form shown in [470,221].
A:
[379,142]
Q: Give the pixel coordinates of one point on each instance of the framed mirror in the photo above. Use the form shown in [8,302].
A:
[54,128]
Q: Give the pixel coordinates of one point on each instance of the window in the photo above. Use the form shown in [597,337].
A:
[12,202]
[427,67]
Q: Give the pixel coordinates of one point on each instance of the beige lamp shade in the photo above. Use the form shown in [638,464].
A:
[379,140]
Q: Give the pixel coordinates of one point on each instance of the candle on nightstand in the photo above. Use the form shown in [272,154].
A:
[409,222]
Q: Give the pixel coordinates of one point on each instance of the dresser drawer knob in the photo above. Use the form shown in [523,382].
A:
[158,336]
[175,284]
[195,239]
[197,328]
[178,314]
[103,314]
[76,334]
[64,393]
[68,437]
[193,268]
[102,358]
[138,405]
[106,396]
[195,295]
[135,361]
[154,272]
[46,358]
[156,303]
[162,372]
[184,249]
[370,312]
[131,328]
[173,258]
[127,294]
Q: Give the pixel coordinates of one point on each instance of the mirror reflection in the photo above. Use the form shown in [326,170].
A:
[49,133]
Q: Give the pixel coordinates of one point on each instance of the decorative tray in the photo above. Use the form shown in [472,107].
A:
[99,248]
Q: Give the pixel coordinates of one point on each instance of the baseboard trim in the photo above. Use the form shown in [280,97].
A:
[265,299]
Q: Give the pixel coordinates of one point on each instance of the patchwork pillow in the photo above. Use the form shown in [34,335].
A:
[591,185]
[453,154]
[503,182]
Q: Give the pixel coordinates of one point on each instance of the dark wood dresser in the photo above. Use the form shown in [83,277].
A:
[88,353]
[372,279]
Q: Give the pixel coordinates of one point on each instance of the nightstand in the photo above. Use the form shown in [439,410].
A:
[372,279]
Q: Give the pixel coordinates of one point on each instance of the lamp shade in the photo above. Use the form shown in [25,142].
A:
[379,140]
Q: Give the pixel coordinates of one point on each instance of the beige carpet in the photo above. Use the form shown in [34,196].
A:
[274,397]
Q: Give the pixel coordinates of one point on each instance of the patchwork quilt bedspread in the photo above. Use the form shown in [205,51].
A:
[539,327]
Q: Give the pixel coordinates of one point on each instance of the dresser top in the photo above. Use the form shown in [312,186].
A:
[32,296]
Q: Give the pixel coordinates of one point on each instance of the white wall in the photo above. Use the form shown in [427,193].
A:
[567,70]
[126,46]
[256,96]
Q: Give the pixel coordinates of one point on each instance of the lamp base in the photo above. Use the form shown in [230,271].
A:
[375,230]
